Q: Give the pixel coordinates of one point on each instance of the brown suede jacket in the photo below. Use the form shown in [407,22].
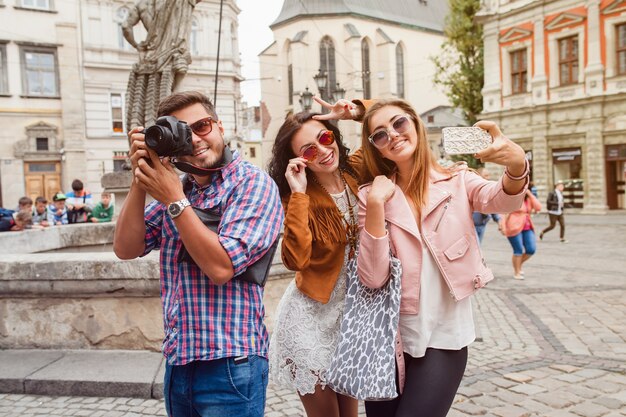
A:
[314,245]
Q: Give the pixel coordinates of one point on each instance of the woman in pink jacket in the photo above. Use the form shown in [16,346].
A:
[424,212]
[520,230]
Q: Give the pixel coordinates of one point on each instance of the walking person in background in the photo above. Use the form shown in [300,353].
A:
[480,219]
[317,181]
[520,230]
[556,205]
[424,211]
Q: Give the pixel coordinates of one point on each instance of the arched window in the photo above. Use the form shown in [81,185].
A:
[327,65]
[193,37]
[120,17]
[365,69]
[399,71]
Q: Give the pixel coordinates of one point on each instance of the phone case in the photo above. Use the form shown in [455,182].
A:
[464,140]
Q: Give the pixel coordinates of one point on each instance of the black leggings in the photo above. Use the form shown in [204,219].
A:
[430,385]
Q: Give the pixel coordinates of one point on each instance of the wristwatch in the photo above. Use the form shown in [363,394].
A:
[176,208]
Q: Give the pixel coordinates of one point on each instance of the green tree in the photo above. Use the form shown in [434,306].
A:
[460,65]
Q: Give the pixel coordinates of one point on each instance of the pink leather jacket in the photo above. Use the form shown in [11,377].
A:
[447,231]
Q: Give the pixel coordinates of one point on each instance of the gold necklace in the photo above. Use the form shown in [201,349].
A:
[352,227]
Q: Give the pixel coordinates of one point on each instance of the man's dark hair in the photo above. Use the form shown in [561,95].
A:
[178,101]
[77,185]
[41,199]
[24,201]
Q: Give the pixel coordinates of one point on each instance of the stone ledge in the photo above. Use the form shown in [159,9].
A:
[56,237]
[82,373]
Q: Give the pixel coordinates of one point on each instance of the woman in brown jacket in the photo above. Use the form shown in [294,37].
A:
[317,181]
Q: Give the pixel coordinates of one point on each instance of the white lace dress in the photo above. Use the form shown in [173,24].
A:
[306,331]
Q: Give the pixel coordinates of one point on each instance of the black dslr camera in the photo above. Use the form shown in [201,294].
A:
[169,137]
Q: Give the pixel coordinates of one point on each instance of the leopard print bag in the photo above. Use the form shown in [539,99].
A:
[364,365]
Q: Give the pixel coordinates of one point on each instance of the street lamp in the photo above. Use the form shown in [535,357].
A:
[306,99]
[321,79]
[339,93]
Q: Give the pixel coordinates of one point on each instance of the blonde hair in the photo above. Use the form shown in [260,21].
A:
[423,158]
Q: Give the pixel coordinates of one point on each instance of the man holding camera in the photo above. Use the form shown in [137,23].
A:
[215,340]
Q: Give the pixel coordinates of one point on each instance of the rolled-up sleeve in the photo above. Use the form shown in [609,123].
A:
[153,218]
[251,221]
[489,196]
[373,260]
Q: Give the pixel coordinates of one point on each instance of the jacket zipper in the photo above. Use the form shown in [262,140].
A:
[443,212]
[441,270]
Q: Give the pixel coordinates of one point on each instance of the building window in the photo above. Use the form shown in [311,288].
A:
[519,72]
[193,37]
[117,113]
[431,118]
[119,160]
[400,71]
[41,144]
[365,69]
[621,48]
[4,85]
[37,4]
[327,65]
[568,60]
[252,152]
[290,82]
[40,75]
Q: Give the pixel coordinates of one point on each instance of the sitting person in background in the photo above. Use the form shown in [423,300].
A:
[19,221]
[79,203]
[25,204]
[57,212]
[103,212]
[40,212]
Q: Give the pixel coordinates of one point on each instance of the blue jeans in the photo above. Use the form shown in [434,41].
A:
[524,243]
[217,388]
[480,231]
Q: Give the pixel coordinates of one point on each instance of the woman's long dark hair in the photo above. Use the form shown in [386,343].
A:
[282,153]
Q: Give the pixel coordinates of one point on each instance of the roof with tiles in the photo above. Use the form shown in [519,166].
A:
[421,14]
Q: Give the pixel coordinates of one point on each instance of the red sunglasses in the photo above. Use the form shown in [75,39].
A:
[327,138]
[203,126]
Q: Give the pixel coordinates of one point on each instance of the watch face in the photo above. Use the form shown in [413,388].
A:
[174,209]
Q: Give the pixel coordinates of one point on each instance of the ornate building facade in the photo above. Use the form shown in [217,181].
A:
[64,68]
[555,80]
[361,49]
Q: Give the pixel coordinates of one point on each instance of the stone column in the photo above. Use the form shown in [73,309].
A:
[595,70]
[492,99]
[72,104]
[541,157]
[539,82]
[593,160]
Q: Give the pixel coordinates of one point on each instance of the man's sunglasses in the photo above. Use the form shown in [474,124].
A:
[382,137]
[327,138]
[203,126]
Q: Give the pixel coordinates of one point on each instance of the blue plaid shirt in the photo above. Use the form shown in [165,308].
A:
[204,321]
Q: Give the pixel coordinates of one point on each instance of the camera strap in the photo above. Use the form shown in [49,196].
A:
[227,157]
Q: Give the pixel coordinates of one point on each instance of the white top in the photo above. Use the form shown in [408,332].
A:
[442,322]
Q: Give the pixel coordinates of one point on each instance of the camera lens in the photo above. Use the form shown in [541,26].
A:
[159,139]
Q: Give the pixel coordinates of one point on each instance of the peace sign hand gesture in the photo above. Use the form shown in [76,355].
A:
[342,110]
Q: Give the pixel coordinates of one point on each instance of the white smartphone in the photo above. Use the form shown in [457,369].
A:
[464,140]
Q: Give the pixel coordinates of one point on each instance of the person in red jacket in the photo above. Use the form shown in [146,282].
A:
[520,230]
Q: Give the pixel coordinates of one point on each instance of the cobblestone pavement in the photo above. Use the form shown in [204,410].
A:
[553,345]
